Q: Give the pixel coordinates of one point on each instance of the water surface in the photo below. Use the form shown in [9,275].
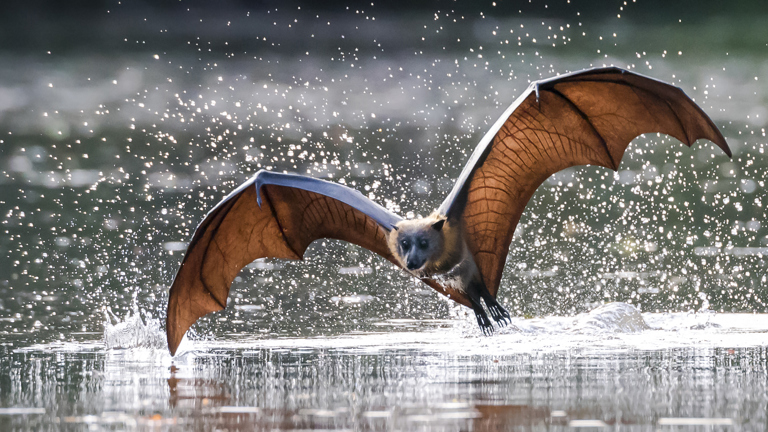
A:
[611,368]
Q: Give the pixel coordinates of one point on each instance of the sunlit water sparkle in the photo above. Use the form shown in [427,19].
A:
[667,369]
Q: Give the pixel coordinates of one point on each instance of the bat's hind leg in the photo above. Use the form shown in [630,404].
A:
[475,292]
[478,290]
[482,317]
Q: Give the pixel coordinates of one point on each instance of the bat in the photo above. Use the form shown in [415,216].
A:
[587,117]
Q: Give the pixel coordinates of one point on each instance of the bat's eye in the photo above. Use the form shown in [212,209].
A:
[405,244]
[423,244]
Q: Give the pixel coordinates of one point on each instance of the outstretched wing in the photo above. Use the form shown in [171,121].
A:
[586,117]
[271,215]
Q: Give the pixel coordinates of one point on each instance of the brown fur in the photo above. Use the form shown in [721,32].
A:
[449,256]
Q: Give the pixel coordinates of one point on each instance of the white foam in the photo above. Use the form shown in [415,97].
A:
[611,327]
[132,332]
[608,328]
[611,318]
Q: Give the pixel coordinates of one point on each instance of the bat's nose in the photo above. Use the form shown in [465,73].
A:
[414,264]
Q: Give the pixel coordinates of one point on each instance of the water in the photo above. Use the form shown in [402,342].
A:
[612,367]
[639,296]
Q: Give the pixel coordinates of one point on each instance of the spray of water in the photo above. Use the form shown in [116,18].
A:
[132,331]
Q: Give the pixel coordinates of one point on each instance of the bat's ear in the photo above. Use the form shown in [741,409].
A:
[438,225]
[394,227]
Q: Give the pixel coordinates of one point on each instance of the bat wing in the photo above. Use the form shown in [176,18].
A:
[586,117]
[271,215]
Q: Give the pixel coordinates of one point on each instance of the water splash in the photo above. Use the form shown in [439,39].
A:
[132,331]
[613,317]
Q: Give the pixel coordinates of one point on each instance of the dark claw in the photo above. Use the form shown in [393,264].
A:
[487,328]
[482,320]
[477,292]
[498,313]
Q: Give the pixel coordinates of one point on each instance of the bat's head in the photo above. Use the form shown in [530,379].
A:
[418,243]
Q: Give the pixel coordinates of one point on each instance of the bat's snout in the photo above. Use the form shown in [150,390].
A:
[414,263]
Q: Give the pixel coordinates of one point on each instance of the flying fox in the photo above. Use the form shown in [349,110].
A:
[587,117]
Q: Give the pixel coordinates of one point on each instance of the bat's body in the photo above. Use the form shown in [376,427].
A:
[586,117]
[435,248]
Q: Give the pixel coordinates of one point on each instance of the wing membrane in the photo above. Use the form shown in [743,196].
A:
[588,117]
[271,215]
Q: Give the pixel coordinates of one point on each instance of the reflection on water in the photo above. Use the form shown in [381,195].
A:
[608,368]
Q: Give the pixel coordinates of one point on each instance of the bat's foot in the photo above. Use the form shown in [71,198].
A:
[482,319]
[498,313]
